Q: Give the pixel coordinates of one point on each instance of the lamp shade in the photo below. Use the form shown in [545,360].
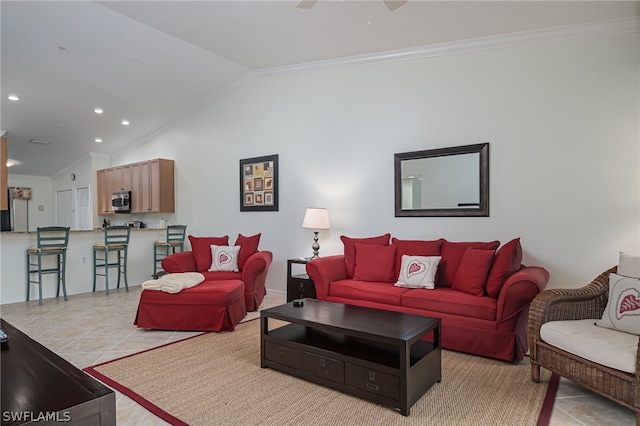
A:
[316,219]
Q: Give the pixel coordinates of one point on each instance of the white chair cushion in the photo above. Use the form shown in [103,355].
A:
[611,348]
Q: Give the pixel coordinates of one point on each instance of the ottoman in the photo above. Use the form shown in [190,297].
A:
[209,306]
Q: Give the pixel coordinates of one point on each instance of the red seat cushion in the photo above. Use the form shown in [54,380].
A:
[450,301]
[221,275]
[367,290]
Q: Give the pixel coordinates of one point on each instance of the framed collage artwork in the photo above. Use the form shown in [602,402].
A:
[259,184]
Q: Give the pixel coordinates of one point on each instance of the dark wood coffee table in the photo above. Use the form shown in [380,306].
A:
[374,354]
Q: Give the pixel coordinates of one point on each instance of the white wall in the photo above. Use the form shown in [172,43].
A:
[562,119]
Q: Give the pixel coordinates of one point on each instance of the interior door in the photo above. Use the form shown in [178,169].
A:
[84,218]
[64,208]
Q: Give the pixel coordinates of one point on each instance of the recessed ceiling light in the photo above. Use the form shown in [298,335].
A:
[11,162]
[98,111]
[13,98]
[125,122]
[98,140]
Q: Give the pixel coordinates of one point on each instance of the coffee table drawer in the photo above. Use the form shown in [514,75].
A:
[373,381]
[283,355]
[326,368]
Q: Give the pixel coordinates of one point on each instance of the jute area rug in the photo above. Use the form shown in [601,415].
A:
[216,379]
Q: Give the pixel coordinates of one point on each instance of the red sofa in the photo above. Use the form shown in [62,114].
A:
[482,297]
[253,265]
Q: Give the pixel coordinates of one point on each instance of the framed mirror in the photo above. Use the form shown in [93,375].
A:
[443,182]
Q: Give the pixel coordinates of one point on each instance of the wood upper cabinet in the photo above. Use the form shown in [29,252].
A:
[104,191]
[4,174]
[161,186]
[121,178]
[151,184]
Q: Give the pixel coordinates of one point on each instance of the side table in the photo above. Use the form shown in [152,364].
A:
[299,285]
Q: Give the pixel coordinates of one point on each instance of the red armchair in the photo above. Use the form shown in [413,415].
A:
[253,273]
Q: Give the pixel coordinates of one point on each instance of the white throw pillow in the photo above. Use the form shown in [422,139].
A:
[418,271]
[629,265]
[224,258]
[622,312]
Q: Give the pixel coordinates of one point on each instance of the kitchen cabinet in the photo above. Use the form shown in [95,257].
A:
[104,191]
[121,178]
[151,184]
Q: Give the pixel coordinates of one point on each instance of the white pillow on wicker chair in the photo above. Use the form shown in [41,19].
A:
[622,312]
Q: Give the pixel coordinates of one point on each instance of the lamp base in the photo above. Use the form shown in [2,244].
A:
[315,246]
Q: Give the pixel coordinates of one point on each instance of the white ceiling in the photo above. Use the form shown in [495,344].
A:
[152,61]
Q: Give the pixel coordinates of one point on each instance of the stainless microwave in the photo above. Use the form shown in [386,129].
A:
[121,201]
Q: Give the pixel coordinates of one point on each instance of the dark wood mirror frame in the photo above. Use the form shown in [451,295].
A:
[482,208]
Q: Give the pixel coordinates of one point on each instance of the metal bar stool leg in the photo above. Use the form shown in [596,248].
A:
[28,274]
[118,257]
[126,282]
[64,274]
[58,275]
[106,270]
[39,279]
[95,269]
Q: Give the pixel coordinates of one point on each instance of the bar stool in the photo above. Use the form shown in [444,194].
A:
[175,239]
[116,240]
[52,241]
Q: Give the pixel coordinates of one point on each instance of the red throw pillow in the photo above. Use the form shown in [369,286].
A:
[350,249]
[452,255]
[507,262]
[375,263]
[201,250]
[471,276]
[415,248]
[248,246]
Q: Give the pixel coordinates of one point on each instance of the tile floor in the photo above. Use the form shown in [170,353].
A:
[91,328]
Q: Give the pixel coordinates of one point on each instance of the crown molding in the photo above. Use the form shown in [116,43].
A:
[546,35]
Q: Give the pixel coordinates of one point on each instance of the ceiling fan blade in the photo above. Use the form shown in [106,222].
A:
[394,4]
[306,4]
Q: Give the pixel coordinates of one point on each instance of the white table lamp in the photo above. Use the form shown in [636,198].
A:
[316,219]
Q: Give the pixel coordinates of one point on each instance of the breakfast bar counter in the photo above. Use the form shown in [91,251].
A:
[79,271]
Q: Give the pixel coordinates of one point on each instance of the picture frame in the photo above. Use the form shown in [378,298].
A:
[259,183]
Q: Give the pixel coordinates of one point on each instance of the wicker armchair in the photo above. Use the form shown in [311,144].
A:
[574,304]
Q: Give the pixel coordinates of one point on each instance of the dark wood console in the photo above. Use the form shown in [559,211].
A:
[40,387]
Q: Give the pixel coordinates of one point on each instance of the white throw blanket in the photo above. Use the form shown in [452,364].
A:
[174,283]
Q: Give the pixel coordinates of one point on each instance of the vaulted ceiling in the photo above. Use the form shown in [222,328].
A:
[150,62]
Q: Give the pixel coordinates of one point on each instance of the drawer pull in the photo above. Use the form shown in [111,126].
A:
[372,386]
[322,372]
